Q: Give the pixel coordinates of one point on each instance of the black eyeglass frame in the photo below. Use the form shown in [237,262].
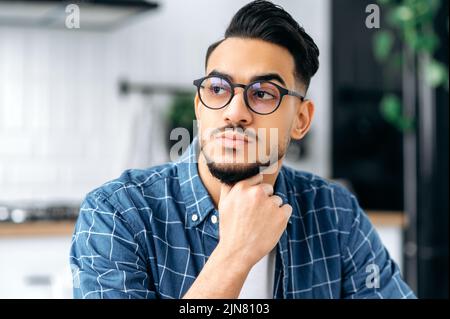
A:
[283,91]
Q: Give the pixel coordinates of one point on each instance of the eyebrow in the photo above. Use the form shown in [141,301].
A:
[259,77]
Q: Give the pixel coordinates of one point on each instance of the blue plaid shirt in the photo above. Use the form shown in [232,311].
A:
[149,233]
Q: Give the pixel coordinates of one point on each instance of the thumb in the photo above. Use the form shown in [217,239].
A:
[224,190]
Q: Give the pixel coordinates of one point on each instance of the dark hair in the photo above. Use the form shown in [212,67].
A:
[269,22]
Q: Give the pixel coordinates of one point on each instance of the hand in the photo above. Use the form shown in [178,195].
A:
[252,219]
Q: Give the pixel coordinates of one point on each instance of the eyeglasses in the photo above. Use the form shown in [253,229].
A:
[262,97]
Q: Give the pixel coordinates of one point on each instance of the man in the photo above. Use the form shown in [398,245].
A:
[228,220]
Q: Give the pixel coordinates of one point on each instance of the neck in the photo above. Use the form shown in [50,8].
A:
[212,184]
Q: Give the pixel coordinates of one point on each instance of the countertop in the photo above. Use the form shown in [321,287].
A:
[60,228]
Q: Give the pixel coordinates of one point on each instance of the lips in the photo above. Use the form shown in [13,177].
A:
[232,139]
[233,136]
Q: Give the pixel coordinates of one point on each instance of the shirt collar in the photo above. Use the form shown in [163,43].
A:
[281,189]
[197,199]
[198,202]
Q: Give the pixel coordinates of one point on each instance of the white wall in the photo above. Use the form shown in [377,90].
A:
[58,114]
[65,130]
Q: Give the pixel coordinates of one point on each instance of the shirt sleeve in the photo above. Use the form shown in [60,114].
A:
[368,270]
[105,258]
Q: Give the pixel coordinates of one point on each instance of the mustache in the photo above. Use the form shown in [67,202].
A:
[249,133]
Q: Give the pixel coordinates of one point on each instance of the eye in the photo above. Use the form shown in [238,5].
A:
[217,90]
[263,95]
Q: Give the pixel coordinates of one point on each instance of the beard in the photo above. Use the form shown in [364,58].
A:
[231,173]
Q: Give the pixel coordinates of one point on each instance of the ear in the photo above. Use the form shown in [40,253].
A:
[196,106]
[303,119]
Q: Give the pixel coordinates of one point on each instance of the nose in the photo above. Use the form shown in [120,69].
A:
[236,112]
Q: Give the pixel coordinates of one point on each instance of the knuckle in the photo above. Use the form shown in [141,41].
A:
[276,200]
[269,188]
[258,190]
[288,209]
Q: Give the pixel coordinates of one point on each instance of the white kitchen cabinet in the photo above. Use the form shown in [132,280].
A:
[35,267]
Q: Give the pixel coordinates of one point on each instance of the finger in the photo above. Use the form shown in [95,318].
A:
[287,209]
[224,190]
[277,200]
[254,180]
[268,189]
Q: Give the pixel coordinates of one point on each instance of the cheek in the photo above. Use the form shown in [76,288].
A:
[277,131]
[206,120]
[286,129]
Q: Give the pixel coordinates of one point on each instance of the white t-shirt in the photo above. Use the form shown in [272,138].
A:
[259,282]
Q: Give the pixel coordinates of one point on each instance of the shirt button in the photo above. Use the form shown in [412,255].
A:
[194,217]
[214,219]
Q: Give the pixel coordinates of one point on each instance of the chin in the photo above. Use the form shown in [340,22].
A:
[232,173]
[228,156]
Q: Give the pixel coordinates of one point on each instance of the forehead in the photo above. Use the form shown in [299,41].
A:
[243,58]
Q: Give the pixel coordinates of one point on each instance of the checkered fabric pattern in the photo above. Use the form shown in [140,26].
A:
[149,233]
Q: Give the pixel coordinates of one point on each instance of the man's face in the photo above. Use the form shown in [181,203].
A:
[266,137]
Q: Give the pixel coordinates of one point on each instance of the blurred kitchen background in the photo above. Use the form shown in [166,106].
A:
[80,105]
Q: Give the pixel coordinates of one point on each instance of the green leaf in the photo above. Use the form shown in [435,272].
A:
[405,124]
[436,73]
[411,38]
[391,108]
[427,42]
[403,14]
[383,42]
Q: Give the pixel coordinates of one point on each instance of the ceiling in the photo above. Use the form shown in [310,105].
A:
[99,15]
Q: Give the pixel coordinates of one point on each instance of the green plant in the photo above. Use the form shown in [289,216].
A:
[411,23]
[181,114]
